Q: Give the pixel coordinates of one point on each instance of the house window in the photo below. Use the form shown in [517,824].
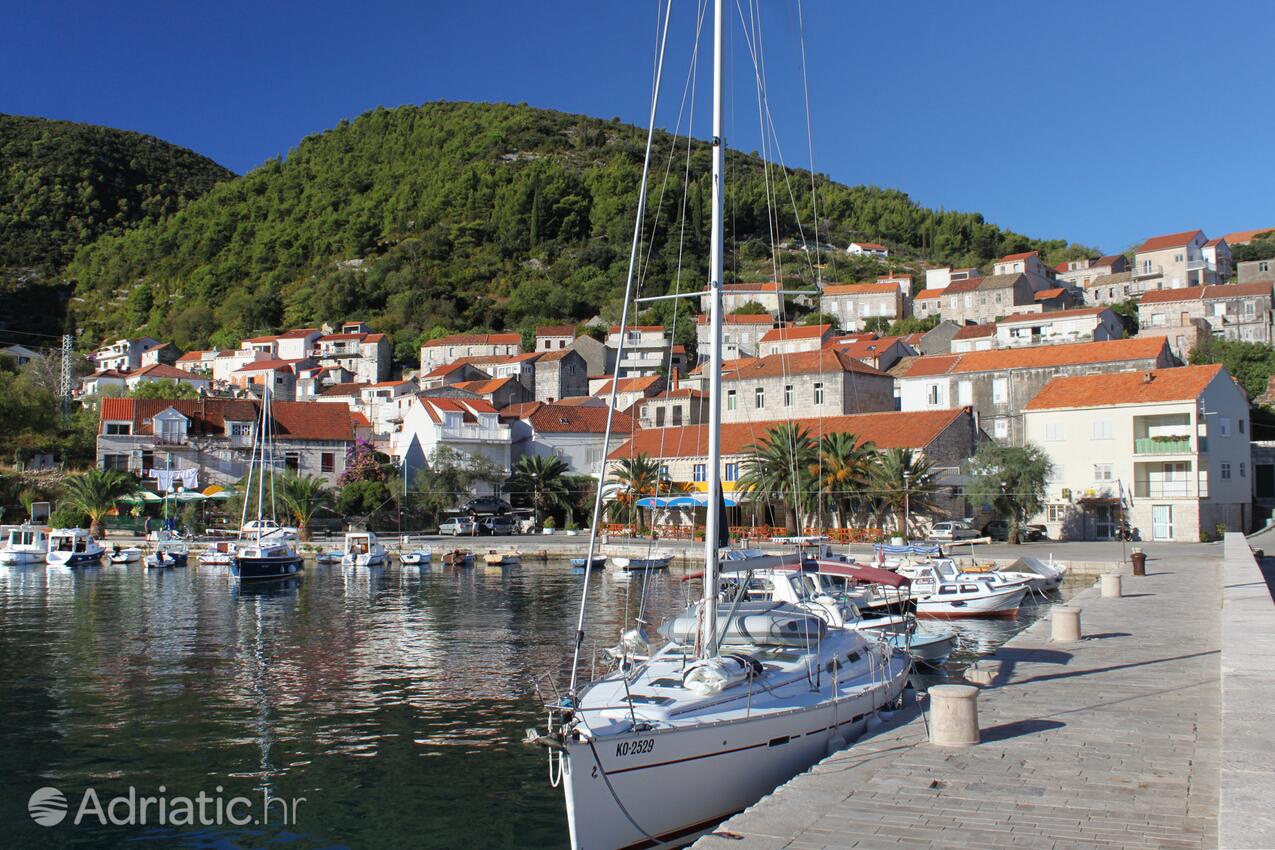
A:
[119,462]
[1000,429]
[730,399]
[1101,430]
[1177,258]
[659,417]
[1157,320]
[1241,424]
[117,428]
[1054,431]
[1000,390]
[1243,471]
[292,461]
[788,395]
[664,470]
[1102,472]
[934,395]
[1263,265]
[240,429]
[1249,308]
[699,472]
[732,472]
[1219,309]
[677,415]
[327,462]
[759,397]
[1055,513]
[818,392]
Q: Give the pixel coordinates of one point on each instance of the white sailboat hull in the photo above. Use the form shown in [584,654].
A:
[999,602]
[676,783]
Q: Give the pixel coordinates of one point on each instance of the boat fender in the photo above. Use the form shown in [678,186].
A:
[874,723]
[836,743]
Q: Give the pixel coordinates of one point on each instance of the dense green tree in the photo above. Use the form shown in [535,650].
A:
[542,481]
[164,389]
[631,480]
[903,484]
[1250,363]
[1012,479]
[304,496]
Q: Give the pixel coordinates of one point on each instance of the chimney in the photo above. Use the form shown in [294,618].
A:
[1148,377]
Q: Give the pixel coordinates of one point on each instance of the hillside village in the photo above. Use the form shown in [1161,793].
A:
[1027,354]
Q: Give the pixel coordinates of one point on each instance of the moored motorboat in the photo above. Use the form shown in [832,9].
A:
[628,564]
[168,554]
[74,547]
[458,558]
[322,557]
[599,561]
[218,554]
[125,554]
[416,557]
[497,558]
[24,544]
[255,560]
[363,549]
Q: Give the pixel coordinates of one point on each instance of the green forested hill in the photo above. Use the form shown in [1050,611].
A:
[62,185]
[457,216]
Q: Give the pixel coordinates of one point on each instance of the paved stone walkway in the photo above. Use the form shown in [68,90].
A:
[1110,742]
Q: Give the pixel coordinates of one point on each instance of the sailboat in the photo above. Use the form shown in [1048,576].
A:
[742,696]
[255,558]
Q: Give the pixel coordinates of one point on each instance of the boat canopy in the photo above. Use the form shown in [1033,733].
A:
[925,549]
[681,500]
[859,572]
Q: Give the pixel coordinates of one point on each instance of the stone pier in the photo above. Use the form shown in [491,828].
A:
[1113,741]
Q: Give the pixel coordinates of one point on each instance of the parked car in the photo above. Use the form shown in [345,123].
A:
[269,529]
[457,526]
[498,525]
[998,529]
[487,505]
[953,530]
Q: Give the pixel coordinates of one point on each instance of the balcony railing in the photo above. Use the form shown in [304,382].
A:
[1162,446]
[1170,490]
[1147,271]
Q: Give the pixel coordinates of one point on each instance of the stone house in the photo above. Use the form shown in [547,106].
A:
[810,382]
[648,350]
[1257,271]
[628,392]
[449,349]
[572,433]
[737,295]
[161,372]
[214,437]
[561,373]
[1178,260]
[1079,274]
[1166,449]
[879,352]
[554,337]
[974,338]
[741,334]
[277,374]
[854,304]
[673,408]
[998,384]
[791,339]
[356,349]
[1240,311]
[979,300]
[498,392]
[1083,324]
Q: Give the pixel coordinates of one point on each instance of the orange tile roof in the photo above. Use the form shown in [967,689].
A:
[266,366]
[293,420]
[1171,240]
[1036,357]
[821,361]
[475,339]
[1009,258]
[870,245]
[1109,260]
[191,356]
[862,348]
[800,332]
[928,294]
[1196,293]
[975,331]
[483,387]
[751,287]
[1183,383]
[1046,294]
[162,370]
[739,319]
[889,430]
[359,419]
[861,289]
[556,330]
[577,419]
[631,385]
[1243,237]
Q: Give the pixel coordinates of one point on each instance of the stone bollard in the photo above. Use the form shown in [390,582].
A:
[953,715]
[1065,625]
[1111,586]
[983,672]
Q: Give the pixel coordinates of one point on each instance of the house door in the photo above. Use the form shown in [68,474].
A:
[1104,522]
[1185,319]
[1162,522]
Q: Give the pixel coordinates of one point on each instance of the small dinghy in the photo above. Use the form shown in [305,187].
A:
[458,558]
[218,554]
[416,558]
[125,555]
[599,561]
[633,564]
[327,557]
[496,558]
[169,553]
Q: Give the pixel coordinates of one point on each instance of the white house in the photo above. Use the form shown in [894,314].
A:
[1083,324]
[162,372]
[1166,449]
[467,426]
[449,349]
[869,249]
[572,432]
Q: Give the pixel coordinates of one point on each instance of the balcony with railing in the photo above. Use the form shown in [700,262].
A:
[1147,270]
[1165,434]
[1160,489]
[1176,444]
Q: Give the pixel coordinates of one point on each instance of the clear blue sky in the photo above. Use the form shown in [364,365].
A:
[1100,122]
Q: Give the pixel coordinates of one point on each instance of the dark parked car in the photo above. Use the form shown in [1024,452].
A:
[498,525]
[998,529]
[487,505]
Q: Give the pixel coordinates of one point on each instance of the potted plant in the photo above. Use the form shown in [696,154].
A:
[548,526]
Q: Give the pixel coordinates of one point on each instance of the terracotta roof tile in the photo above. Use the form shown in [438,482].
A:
[556,330]
[1171,240]
[483,387]
[161,370]
[1184,383]
[1009,258]
[799,332]
[801,363]
[475,339]
[1034,357]
[1074,313]
[293,420]
[893,429]
[266,366]
[1243,237]
[631,385]
[861,289]
[928,294]
[576,419]
[1047,294]
[975,331]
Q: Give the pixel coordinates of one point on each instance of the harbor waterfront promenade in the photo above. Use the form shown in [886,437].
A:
[1126,738]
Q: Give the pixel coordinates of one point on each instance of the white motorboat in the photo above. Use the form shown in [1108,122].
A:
[660,562]
[125,555]
[168,553]
[416,558]
[745,694]
[218,554]
[598,562]
[322,557]
[941,591]
[73,547]
[363,549]
[265,549]
[24,544]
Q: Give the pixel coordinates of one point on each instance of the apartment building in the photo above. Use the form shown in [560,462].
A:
[673,408]
[449,349]
[998,384]
[365,355]
[1178,260]
[737,295]
[1082,324]
[648,350]
[831,382]
[1080,274]
[572,433]
[209,440]
[1166,450]
[123,355]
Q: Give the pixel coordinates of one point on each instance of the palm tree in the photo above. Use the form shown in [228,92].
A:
[779,467]
[634,478]
[304,496]
[905,483]
[95,493]
[544,481]
[844,470]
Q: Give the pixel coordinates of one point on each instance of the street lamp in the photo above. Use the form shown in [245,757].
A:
[907,504]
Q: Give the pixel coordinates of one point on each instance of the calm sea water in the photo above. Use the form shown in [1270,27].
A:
[392,700]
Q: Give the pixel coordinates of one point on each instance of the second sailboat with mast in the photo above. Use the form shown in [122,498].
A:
[260,556]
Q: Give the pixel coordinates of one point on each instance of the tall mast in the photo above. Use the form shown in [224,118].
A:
[708,641]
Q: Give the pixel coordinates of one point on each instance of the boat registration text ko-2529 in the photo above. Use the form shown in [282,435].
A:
[635,748]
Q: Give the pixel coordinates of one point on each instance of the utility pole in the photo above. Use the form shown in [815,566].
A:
[65,390]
